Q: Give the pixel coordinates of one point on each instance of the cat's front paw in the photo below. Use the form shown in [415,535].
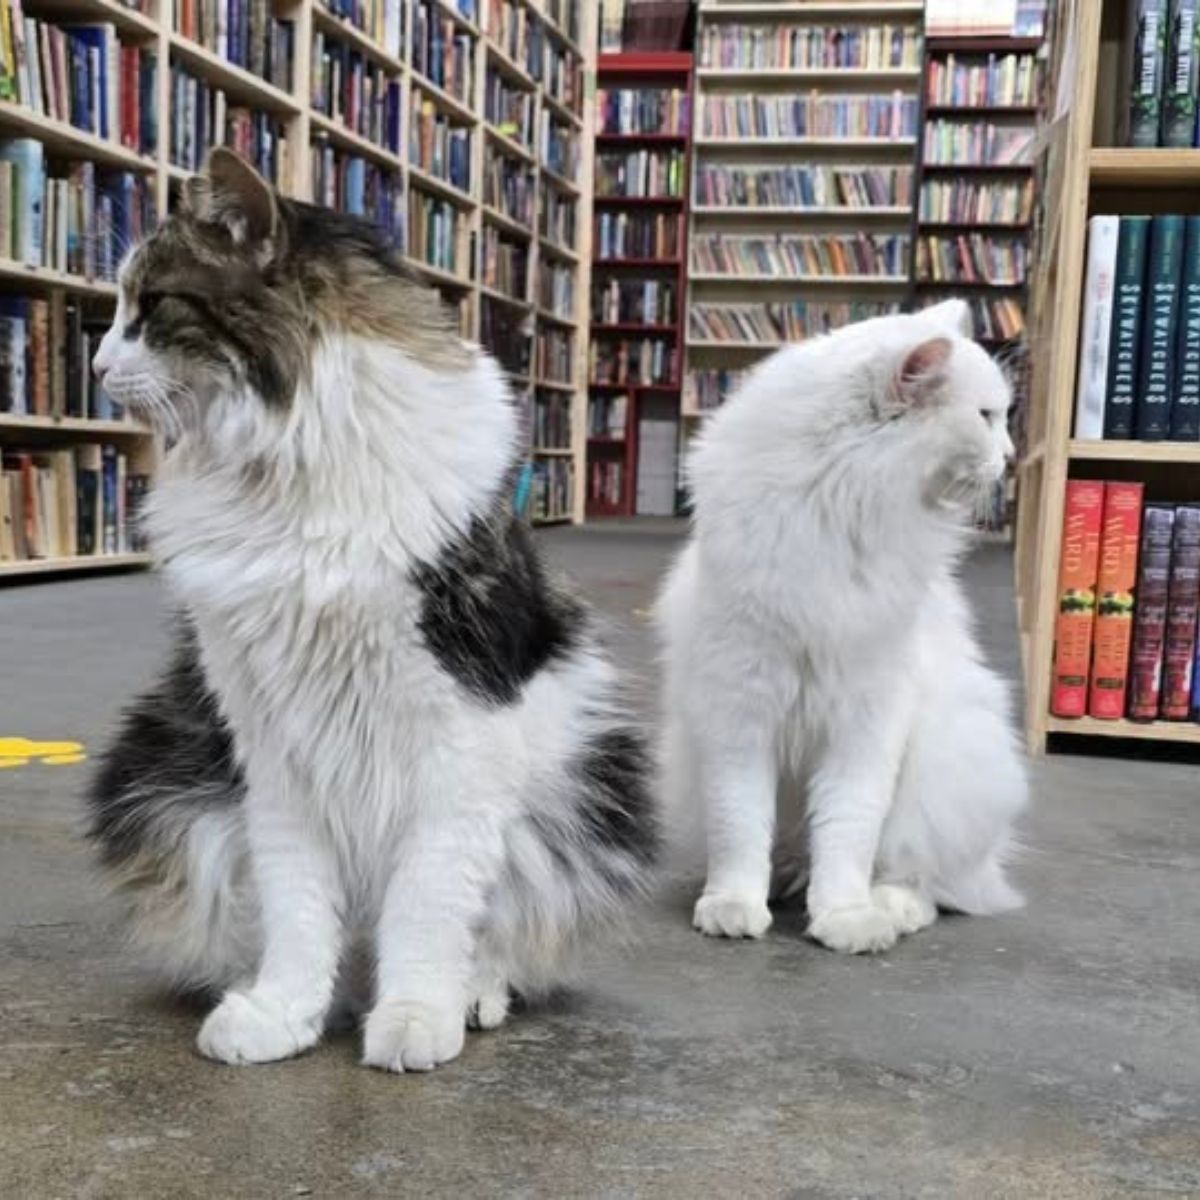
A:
[403,1035]
[909,909]
[249,1027]
[731,916]
[855,929]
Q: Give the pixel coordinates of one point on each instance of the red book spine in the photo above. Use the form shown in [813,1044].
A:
[1179,654]
[1150,612]
[1119,536]
[1076,597]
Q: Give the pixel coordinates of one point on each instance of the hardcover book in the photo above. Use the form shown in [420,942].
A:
[1180,649]
[1152,412]
[1182,75]
[1132,243]
[1185,404]
[1146,43]
[1150,616]
[1076,597]
[1096,326]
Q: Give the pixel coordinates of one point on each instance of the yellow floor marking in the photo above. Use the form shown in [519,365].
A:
[5,763]
[19,752]
[64,760]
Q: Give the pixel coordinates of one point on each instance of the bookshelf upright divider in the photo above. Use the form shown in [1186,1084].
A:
[385,146]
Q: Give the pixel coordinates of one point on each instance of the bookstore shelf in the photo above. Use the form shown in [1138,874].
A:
[790,143]
[439,187]
[980,226]
[517,303]
[553,451]
[560,110]
[983,45]
[1154,731]
[807,280]
[981,110]
[975,168]
[560,182]
[70,426]
[125,19]
[554,385]
[442,100]
[439,276]
[735,211]
[761,75]
[639,201]
[239,83]
[634,327]
[1150,168]
[511,71]
[85,562]
[1086,450]
[814,8]
[47,277]
[464,22]
[503,221]
[347,139]
[554,250]
[638,262]
[68,142]
[509,145]
[341,29]
[552,318]
[642,139]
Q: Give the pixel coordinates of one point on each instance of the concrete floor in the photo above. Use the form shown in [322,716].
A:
[1055,1053]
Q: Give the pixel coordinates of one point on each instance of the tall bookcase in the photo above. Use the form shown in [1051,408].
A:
[777,277]
[1086,174]
[637,356]
[508,245]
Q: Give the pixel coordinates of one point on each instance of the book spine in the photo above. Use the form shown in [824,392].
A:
[1117,575]
[1182,77]
[1076,597]
[1132,242]
[1147,44]
[1185,403]
[1150,613]
[1096,330]
[1152,412]
[1184,599]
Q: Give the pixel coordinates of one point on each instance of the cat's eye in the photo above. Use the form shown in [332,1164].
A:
[147,302]
[987,415]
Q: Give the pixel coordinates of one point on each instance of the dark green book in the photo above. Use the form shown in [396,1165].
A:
[1160,320]
[1146,44]
[1185,402]
[1181,79]
[1126,326]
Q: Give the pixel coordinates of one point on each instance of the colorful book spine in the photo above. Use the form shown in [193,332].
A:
[1179,653]
[1182,77]
[1152,412]
[1147,42]
[1185,402]
[1150,615]
[1076,597]
[1119,537]
[1132,242]
[1096,330]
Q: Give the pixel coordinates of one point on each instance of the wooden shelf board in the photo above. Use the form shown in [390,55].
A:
[509,224]
[556,251]
[91,562]
[555,385]
[978,285]
[552,318]
[714,344]
[237,82]
[952,43]
[633,327]
[338,27]
[654,139]
[645,62]
[463,22]
[810,8]
[347,139]
[1085,450]
[787,143]
[44,277]
[553,451]
[989,226]
[439,187]
[127,20]
[734,212]
[69,142]
[980,168]
[981,110]
[791,280]
[504,298]
[1149,731]
[514,148]
[73,426]
[511,70]
[561,182]
[561,111]
[1126,167]
[824,74]
[672,263]
[439,275]
[638,201]
[442,100]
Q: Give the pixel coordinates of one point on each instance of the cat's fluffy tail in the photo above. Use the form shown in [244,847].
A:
[166,816]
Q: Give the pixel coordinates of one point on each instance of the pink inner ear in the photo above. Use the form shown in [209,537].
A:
[922,369]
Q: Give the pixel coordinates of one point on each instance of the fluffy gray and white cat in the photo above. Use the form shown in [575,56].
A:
[384,722]
[826,704]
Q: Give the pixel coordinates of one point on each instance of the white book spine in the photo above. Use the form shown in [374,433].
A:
[1096,327]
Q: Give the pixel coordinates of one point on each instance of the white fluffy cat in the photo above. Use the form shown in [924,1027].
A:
[825,699]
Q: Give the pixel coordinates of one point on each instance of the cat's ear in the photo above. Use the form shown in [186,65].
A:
[954,316]
[231,193]
[922,372]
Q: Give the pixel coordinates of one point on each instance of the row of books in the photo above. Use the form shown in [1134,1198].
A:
[995,318]
[972,258]
[812,114]
[634,302]
[948,141]
[997,81]
[355,92]
[433,227]
[551,422]
[779,46]
[351,184]
[508,185]
[636,235]
[559,146]
[770,324]
[1129,591]
[516,29]
[552,493]
[608,416]
[502,337]
[381,20]
[80,74]
[1160,81]
[633,361]
[566,14]
[242,32]
[964,201]
[440,52]
[801,255]
[80,221]
[808,185]
[1139,362]
[556,289]
[504,263]
[438,146]
[507,23]
[563,77]
[709,388]
[606,482]
[46,351]
[640,172]
[557,213]
[643,110]
[68,503]
[985,18]
[509,109]
[552,355]
[201,118]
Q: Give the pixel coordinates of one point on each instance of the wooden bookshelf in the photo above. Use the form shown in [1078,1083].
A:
[1089,176]
[708,356]
[305,127]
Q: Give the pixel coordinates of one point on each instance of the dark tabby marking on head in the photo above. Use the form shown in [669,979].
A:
[244,282]
[489,614]
[171,763]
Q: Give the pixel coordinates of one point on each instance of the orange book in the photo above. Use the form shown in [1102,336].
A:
[1076,597]
[1119,537]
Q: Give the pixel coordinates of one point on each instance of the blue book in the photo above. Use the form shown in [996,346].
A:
[1124,341]
[108,488]
[94,39]
[1185,400]
[1152,413]
[29,167]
